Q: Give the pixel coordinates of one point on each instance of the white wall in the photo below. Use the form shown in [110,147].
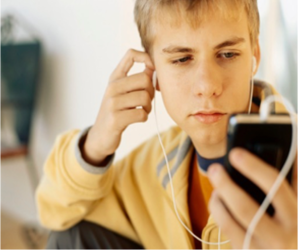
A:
[82,43]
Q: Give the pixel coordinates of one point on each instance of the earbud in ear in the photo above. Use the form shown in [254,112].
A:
[154,78]
[253,64]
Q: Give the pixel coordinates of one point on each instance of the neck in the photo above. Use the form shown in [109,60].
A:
[211,151]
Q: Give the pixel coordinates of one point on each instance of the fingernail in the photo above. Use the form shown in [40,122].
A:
[213,169]
[237,154]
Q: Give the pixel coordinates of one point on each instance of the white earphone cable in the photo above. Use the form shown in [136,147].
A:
[264,112]
[251,94]
[286,167]
[170,177]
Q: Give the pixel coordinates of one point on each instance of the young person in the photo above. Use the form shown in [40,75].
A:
[205,54]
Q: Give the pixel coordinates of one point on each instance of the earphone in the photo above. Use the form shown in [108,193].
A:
[252,83]
[264,113]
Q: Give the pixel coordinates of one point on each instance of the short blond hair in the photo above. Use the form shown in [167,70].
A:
[195,12]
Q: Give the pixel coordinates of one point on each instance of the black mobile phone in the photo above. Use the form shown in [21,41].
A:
[270,140]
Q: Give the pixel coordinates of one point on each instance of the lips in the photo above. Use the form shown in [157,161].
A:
[209,113]
[208,117]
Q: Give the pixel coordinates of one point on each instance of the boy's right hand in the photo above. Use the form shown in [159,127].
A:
[118,109]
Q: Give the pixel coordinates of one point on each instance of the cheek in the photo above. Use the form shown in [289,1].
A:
[238,91]
[174,91]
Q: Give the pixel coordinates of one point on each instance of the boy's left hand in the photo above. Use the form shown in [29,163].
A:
[233,209]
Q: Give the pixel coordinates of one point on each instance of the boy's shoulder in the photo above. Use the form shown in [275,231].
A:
[261,91]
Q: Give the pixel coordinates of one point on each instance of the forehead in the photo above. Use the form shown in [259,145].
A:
[217,21]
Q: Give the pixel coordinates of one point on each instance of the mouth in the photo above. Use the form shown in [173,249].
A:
[208,117]
[211,112]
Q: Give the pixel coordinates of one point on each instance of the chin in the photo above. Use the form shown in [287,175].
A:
[209,140]
[207,135]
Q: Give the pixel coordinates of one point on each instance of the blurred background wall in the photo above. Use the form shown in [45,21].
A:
[279,40]
[82,43]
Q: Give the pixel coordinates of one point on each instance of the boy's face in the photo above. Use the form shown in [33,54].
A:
[204,74]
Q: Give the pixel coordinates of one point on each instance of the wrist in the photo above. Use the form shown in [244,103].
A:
[90,153]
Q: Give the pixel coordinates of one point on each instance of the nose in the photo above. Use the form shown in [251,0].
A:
[208,80]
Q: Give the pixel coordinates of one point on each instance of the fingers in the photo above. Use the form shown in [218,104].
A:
[233,209]
[236,234]
[128,60]
[238,202]
[264,176]
[128,117]
[228,225]
[149,72]
[140,81]
[131,101]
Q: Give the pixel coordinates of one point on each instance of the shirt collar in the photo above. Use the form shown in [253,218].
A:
[204,163]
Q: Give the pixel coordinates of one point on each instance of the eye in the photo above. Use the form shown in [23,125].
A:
[182,60]
[228,55]
[185,59]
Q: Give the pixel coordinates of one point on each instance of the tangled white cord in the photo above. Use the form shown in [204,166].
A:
[264,113]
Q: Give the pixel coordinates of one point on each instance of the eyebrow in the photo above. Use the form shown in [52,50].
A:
[231,42]
[180,49]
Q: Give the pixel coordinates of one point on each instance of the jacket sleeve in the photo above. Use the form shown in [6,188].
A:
[70,187]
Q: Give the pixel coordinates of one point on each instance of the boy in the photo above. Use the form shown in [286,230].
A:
[204,53]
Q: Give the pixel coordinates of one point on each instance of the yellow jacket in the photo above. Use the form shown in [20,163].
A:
[131,197]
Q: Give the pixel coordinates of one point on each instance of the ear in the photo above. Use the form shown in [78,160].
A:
[257,55]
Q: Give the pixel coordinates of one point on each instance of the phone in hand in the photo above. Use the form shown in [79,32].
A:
[270,141]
